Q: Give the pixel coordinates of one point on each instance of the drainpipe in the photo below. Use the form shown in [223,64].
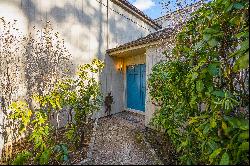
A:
[107,25]
[107,45]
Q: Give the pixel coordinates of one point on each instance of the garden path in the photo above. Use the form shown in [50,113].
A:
[118,140]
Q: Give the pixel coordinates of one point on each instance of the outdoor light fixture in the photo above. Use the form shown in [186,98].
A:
[120,67]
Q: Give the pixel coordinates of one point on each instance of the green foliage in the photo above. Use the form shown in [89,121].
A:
[47,65]
[21,114]
[40,132]
[81,95]
[22,158]
[203,91]
[44,59]
[62,153]
[87,98]
[44,157]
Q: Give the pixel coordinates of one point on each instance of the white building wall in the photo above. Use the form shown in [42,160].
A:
[154,55]
[121,21]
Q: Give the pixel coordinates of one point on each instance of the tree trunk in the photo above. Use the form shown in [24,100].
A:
[82,138]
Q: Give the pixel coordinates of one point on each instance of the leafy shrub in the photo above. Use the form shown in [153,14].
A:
[29,61]
[20,112]
[38,133]
[81,94]
[44,63]
[22,158]
[203,91]
[62,152]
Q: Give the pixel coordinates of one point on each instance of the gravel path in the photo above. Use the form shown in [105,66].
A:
[118,141]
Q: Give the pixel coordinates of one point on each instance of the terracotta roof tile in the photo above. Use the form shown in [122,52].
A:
[153,37]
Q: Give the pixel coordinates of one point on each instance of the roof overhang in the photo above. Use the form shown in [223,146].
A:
[133,50]
[140,45]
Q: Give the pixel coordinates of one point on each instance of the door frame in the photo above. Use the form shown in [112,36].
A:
[126,90]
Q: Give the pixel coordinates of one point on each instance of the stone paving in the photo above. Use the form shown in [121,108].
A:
[117,141]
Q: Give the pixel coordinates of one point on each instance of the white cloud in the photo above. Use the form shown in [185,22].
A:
[144,4]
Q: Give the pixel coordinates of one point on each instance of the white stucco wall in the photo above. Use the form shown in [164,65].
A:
[119,22]
[84,26]
[154,54]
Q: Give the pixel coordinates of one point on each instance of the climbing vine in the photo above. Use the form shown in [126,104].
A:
[203,91]
[29,63]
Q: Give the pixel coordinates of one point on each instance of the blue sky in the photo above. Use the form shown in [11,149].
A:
[155,9]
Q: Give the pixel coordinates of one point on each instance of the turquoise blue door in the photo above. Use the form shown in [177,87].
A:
[136,87]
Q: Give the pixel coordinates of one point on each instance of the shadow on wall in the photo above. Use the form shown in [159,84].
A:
[91,18]
[93,21]
[29,64]
[46,61]
[87,19]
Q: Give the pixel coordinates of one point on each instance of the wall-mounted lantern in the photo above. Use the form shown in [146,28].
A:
[120,67]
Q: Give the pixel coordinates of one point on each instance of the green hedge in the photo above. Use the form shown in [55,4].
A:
[203,90]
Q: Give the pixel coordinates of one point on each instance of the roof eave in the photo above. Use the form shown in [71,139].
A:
[146,19]
[135,47]
[144,41]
